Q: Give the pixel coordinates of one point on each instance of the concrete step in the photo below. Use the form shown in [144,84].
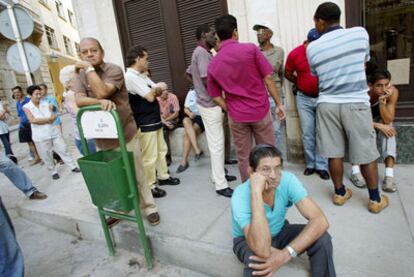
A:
[194,233]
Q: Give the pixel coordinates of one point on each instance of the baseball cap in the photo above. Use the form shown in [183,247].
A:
[263,25]
[313,35]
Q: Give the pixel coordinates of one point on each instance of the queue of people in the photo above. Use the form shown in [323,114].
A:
[339,107]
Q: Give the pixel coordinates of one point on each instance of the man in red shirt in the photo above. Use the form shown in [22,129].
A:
[244,75]
[298,72]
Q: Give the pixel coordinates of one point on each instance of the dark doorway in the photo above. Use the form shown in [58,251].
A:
[390,25]
[167,30]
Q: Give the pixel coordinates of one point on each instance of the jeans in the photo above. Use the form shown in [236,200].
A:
[307,114]
[277,124]
[16,175]
[320,252]
[91,146]
[5,139]
[11,257]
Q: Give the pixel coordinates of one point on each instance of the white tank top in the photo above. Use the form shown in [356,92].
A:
[41,131]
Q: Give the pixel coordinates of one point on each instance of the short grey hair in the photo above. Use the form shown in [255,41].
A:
[66,74]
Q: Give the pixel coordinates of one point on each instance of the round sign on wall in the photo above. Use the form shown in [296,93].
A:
[24,21]
[33,54]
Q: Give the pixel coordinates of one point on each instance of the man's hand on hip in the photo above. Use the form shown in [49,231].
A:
[266,267]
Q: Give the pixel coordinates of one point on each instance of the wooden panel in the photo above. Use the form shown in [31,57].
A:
[167,29]
[146,27]
[192,14]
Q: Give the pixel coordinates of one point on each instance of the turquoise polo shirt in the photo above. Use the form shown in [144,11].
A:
[290,191]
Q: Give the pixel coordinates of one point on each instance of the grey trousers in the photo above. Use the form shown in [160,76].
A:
[320,252]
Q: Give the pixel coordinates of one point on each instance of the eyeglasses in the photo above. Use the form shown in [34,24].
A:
[267,171]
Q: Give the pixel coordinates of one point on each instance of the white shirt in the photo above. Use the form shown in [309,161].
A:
[4,129]
[138,83]
[41,132]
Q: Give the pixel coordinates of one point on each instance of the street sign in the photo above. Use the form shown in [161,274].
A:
[24,22]
[33,54]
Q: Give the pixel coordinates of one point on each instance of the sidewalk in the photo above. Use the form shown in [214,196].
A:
[195,229]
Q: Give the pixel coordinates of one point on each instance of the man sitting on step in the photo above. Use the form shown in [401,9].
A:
[262,238]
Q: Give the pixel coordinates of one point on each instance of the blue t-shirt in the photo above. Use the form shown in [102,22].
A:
[52,100]
[290,191]
[20,112]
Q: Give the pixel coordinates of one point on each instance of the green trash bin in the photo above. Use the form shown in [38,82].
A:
[105,177]
[110,178]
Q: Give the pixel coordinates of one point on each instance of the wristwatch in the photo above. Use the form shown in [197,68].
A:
[291,251]
[89,69]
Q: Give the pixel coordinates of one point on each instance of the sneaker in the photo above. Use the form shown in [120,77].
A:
[158,193]
[169,182]
[358,180]
[339,199]
[55,176]
[388,184]
[37,195]
[76,170]
[154,219]
[376,207]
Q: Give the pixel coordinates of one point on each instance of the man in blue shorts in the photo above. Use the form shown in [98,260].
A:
[262,238]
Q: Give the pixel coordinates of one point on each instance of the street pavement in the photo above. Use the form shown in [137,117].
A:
[195,229]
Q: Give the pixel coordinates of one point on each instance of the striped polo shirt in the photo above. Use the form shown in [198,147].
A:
[338,59]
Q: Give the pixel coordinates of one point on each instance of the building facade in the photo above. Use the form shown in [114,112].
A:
[56,35]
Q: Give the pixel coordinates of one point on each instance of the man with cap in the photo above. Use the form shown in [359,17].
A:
[298,72]
[343,115]
[274,55]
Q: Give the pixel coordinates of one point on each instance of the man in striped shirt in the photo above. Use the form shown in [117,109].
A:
[343,114]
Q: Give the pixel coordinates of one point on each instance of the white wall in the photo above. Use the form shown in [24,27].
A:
[96,18]
[292,19]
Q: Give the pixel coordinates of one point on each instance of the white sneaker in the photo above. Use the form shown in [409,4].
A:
[388,184]
[358,180]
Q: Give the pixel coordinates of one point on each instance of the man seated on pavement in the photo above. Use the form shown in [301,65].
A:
[383,99]
[170,109]
[103,83]
[193,126]
[298,72]
[19,178]
[262,238]
[142,93]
